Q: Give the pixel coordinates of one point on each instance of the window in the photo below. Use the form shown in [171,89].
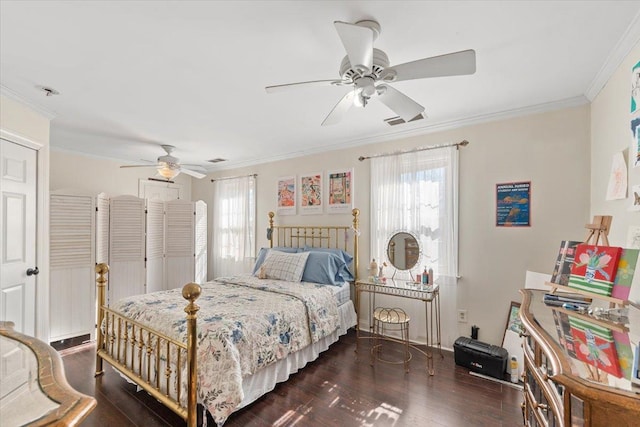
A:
[417,192]
[234,226]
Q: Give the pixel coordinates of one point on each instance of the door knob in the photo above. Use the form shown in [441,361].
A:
[32,271]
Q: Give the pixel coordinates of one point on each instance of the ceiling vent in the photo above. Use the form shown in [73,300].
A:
[394,121]
[218,160]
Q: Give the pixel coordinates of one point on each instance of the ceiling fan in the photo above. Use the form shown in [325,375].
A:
[367,71]
[169,167]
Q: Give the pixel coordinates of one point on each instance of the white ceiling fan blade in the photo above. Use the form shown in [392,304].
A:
[280,88]
[192,173]
[340,109]
[140,166]
[399,103]
[358,42]
[452,64]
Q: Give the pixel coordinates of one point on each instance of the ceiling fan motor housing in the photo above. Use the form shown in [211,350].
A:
[380,62]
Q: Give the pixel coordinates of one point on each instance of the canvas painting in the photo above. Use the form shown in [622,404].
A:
[594,269]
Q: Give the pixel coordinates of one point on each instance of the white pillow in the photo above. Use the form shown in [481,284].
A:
[283,266]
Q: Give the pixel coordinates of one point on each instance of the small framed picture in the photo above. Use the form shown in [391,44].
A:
[340,191]
[287,195]
[311,193]
[513,320]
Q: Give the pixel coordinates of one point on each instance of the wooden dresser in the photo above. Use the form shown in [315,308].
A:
[570,382]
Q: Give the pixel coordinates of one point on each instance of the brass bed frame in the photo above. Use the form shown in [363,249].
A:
[150,347]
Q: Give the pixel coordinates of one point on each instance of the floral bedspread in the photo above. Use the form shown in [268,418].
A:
[244,324]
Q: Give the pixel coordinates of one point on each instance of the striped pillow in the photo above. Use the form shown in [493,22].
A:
[284,266]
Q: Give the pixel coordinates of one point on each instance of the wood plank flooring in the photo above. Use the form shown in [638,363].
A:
[339,389]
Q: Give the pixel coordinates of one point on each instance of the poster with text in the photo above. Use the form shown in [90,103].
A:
[340,191]
[513,204]
[635,141]
[311,193]
[287,195]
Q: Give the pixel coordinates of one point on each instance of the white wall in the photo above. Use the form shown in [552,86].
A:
[611,133]
[19,122]
[95,175]
[551,150]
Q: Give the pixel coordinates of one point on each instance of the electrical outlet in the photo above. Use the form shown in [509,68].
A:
[462,316]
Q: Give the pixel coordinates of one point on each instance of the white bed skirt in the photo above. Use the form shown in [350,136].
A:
[266,379]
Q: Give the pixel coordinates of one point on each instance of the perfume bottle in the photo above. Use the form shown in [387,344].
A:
[425,276]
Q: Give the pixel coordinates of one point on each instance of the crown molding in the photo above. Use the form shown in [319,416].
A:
[5,91]
[423,130]
[628,40]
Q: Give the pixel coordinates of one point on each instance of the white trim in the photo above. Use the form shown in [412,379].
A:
[629,39]
[22,100]
[455,123]
[20,140]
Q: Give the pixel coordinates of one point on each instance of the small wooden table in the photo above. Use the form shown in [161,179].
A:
[33,388]
[416,291]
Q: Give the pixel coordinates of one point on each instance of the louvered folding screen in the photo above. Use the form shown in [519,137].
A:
[72,260]
[155,246]
[126,247]
[201,242]
[179,243]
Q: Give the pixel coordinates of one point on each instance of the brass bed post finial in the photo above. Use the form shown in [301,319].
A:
[101,270]
[356,233]
[191,292]
[270,230]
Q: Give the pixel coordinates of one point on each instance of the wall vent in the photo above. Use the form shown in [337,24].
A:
[218,160]
[394,121]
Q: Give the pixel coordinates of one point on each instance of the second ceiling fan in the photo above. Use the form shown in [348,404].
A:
[367,71]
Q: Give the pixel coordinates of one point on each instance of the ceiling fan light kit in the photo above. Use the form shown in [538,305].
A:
[367,70]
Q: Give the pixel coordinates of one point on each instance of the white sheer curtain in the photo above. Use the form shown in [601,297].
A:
[418,192]
[234,226]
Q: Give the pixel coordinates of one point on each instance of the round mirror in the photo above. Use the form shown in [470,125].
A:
[403,251]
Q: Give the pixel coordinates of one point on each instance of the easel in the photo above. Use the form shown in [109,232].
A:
[597,230]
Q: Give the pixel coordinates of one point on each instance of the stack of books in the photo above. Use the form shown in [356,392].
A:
[568,299]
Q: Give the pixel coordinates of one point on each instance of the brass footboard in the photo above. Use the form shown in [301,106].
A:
[149,358]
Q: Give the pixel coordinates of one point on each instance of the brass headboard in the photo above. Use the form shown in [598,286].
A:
[317,236]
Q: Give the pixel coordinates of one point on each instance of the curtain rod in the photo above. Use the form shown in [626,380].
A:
[255,175]
[462,143]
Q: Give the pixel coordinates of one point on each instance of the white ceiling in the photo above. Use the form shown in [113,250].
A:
[134,75]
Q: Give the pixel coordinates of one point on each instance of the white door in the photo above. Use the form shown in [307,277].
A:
[18,271]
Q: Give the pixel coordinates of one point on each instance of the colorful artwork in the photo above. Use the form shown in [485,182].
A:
[594,269]
[513,203]
[287,195]
[626,271]
[340,195]
[311,193]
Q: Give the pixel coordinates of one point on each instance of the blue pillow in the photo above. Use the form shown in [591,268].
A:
[346,256]
[263,254]
[327,268]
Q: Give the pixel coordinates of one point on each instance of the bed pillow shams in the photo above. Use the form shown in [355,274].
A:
[283,266]
[263,254]
[326,268]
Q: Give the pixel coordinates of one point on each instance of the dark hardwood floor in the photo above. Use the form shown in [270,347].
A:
[338,389]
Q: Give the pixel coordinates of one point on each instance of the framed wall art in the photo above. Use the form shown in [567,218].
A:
[311,193]
[287,195]
[340,191]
